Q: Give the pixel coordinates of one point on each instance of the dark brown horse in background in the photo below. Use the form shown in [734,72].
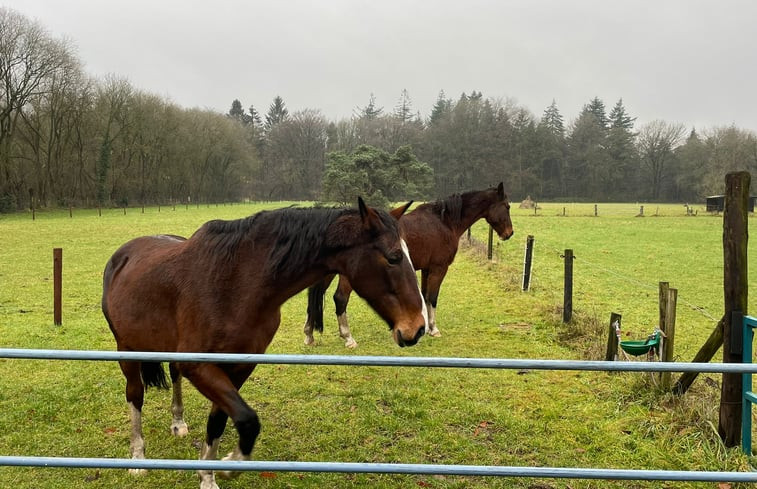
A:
[432,233]
[221,291]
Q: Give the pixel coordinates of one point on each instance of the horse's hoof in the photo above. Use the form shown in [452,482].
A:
[350,343]
[435,333]
[309,341]
[137,472]
[179,429]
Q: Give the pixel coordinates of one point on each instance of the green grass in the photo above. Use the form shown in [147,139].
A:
[372,414]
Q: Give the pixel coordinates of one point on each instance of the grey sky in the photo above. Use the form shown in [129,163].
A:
[688,61]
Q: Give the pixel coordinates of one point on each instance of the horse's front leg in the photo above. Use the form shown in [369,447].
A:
[216,385]
[178,425]
[431,295]
[341,298]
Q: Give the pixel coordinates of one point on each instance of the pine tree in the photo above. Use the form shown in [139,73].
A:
[440,109]
[552,120]
[236,111]
[277,113]
[404,109]
[597,108]
[370,111]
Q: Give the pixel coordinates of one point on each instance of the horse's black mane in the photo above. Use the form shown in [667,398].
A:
[450,209]
[301,235]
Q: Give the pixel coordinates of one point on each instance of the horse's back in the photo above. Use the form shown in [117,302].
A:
[139,291]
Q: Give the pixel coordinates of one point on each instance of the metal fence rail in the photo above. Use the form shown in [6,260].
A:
[378,361]
[381,468]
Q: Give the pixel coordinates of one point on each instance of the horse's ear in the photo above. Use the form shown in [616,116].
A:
[367,215]
[399,211]
[501,191]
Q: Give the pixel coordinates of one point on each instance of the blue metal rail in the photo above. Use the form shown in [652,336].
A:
[378,361]
[747,369]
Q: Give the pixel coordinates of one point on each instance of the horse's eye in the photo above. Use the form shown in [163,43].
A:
[395,258]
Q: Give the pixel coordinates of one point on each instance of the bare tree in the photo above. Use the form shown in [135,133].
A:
[657,142]
[28,58]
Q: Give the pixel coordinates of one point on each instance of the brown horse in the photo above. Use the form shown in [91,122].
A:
[221,291]
[432,232]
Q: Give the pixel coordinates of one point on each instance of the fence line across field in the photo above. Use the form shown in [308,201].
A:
[377,361]
[379,468]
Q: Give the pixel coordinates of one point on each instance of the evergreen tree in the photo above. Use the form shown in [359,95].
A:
[404,109]
[597,108]
[621,153]
[440,109]
[255,117]
[370,112]
[236,111]
[552,120]
[277,113]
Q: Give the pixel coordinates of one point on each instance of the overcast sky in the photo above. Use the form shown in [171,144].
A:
[688,61]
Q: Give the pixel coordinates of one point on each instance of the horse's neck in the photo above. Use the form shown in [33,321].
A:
[470,213]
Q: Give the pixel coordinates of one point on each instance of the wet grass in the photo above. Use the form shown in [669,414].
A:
[380,414]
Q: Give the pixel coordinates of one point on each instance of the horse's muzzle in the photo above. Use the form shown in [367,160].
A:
[402,342]
[506,235]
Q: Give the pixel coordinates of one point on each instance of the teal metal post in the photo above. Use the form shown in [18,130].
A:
[748,397]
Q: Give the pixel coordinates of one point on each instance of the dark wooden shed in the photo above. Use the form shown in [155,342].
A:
[716,203]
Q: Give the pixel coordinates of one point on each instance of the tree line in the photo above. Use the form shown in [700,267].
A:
[67,138]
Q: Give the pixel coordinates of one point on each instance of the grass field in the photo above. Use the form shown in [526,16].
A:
[373,414]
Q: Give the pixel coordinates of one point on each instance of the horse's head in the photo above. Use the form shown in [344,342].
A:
[498,215]
[378,266]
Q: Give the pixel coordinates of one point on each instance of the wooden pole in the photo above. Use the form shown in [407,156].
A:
[612,337]
[57,285]
[567,311]
[735,288]
[489,250]
[704,355]
[668,341]
[527,262]
[595,210]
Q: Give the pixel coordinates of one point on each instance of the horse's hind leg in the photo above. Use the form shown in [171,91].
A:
[178,426]
[341,298]
[135,396]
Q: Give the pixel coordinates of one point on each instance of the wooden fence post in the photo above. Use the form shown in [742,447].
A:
[527,259]
[735,288]
[567,311]
[668,341]
[57,285]
[612,337]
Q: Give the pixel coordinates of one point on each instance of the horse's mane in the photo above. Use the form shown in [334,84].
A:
[449,209]
[300,235]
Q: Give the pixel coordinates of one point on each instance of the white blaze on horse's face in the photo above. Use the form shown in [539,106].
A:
[406,251]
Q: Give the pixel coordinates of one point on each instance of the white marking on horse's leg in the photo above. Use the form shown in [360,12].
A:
[178,426]
[433,330]
[137,443]
[208,452]
[344,331]
[308,329]
[424,308]
[236,455]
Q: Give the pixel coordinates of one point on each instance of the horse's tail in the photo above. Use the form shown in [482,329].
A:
[315,302]
[153,375]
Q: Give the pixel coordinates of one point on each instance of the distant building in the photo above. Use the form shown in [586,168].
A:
[716,203]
